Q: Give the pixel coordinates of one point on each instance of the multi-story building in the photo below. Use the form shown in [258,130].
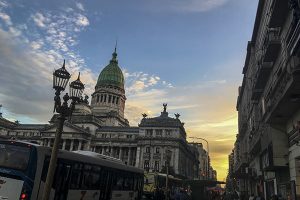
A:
[101,127]
[204,164]
[266,151]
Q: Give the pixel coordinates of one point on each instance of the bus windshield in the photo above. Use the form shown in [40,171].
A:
[13,156]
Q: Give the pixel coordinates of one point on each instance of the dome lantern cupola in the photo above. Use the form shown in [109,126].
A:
[111,74]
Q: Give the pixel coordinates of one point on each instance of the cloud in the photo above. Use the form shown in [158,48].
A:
[5,18]
[82,20]
[39,19]
[3,4]
[80,6]
[27,51]
[200,5]
[186,6]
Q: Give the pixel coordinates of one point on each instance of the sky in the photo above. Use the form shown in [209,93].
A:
[187,53]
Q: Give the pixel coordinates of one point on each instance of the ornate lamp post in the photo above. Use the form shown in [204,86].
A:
[60,80]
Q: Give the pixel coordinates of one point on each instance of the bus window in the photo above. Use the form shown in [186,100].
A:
[118,182]
[76,176]
[129,183]
[14,157]
[91,177]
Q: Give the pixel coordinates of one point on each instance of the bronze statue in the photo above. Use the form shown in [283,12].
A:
[165,107]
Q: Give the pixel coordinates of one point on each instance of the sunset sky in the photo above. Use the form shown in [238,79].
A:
[188,53]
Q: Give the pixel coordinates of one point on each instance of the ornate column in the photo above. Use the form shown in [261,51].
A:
[151,162]
[79,144]
[162,154]
[64,144]
[71,145]
[129,156]
[112,152]
[138,156]
[121,153]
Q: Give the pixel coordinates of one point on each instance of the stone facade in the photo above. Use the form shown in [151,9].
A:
[266,152]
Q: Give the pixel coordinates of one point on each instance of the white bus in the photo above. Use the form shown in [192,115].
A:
[79,175]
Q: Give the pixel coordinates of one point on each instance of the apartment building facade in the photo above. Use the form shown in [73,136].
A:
[266,150]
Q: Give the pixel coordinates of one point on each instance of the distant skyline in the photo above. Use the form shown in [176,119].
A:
[189,54]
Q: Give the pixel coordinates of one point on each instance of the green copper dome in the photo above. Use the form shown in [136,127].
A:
[111,74]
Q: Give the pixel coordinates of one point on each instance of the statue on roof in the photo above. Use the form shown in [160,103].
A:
[86,97]
[165,107]
[177,115]
[144,115]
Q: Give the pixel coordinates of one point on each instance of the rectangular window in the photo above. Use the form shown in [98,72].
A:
[146,165]
[126,152]
[76,176]
[156,166]
[14,157]
[158,132]
[101,97]
[109,98]
[149,132]
[91,177]
[147,149]
[105,98]
[117,101]
[168,132]
[157,150]
[113,99]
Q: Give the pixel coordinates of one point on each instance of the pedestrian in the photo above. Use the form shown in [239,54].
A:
[252,197]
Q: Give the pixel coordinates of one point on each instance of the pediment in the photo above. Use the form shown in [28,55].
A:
[66,129]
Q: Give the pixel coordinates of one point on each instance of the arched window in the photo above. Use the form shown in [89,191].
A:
[101,98]
[109,98]
[104,98]
[117,101]
[113,99]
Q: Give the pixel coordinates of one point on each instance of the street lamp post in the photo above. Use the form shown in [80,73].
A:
[207,147]
[60,80]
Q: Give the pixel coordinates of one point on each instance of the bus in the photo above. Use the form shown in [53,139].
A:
[154,181]
[79,175]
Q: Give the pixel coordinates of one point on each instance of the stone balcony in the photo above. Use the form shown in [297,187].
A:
[284,94]
[272,45]
[278,13]
[255,140]
[260,79]
[294,41]
[294,136]
[157,156]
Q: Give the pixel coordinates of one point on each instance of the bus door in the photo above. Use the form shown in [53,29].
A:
[105,184]
[59,189]
[61,181]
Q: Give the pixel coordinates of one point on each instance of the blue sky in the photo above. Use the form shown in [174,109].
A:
[189,53]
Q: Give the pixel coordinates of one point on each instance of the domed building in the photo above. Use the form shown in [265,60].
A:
[108,100]
[101,127]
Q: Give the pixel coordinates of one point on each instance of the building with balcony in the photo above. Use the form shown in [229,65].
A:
[268,104]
